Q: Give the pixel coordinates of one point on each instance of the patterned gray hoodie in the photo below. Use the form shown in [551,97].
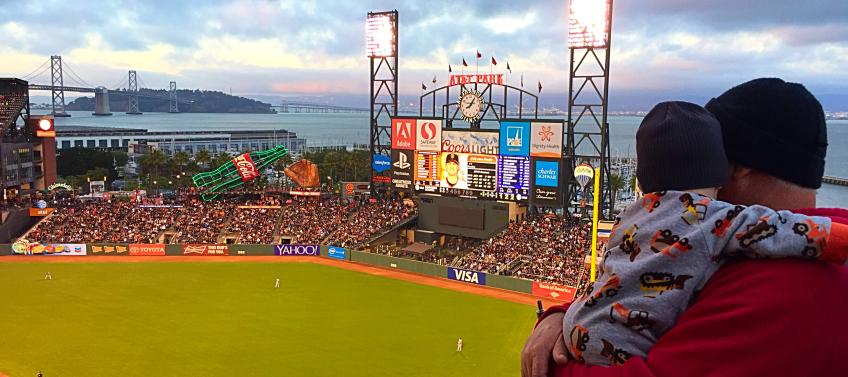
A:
[661,252]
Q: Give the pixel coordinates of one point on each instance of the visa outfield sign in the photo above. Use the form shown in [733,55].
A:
[296,250]
[467,276]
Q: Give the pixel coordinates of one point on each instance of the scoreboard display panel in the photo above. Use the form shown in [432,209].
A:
[471,175]
[483,164]
[427,172]
[513,178]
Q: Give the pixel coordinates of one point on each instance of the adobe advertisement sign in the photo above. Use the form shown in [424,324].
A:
[428,136]
[515,138]
[546,139]
[546,177]
[403,133]
[205,250]
[337,252]
[402,168]
[475,142]
[147,249]
[467,276]
[552,291]
[296,250]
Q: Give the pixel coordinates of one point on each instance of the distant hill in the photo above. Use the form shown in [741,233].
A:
[202,101]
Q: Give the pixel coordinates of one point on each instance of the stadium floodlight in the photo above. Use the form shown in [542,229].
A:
[380,36]
[588,23]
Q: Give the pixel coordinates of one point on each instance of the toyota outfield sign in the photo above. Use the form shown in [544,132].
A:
[296,250]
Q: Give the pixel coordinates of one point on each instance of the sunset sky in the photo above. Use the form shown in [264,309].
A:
[661,48]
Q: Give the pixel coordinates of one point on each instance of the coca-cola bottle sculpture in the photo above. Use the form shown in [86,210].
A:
[236,172]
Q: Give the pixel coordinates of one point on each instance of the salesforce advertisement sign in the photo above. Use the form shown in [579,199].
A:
[297,250]
[336,252]
[467,276]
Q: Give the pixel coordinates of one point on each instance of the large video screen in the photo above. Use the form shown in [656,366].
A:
[484,164]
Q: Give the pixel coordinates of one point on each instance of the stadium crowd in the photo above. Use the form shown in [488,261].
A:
[370,218]
[545,248]
[310,221]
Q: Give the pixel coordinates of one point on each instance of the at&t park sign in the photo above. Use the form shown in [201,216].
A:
[494,79]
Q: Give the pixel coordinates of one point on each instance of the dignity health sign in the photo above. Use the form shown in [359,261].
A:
[297,250]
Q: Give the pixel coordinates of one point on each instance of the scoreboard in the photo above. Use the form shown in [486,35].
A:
[480,164]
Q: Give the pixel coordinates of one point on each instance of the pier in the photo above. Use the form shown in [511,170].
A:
[835,180]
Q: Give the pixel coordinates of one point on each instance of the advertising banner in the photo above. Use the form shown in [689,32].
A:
[473,175]
[381,163]
[40,212]
[403,133]
[546,139]
[546,182]
[108,249]
[336,252]
[296,250]
[515,138]
[250,250]
[147,249]
[427,171]
[467,276]
[514,178]
[552,291]
[477,142]
[193,249]
[402,169]
[428,135]
[24,247]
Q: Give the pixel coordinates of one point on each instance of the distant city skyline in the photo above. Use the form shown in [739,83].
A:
[662,49]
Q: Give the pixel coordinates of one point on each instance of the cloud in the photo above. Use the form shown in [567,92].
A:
[293,47]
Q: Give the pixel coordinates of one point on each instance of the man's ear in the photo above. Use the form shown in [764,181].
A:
[739,172]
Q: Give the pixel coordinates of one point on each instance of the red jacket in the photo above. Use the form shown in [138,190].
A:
[754,318]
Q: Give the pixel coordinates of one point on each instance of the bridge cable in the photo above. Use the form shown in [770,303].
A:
[43,65]
[71,70]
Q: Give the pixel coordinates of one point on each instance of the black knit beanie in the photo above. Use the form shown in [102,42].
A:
[679,147]
[776,127]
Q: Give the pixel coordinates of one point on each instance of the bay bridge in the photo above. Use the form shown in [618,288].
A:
[59,71]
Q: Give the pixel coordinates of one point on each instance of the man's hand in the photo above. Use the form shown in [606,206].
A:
[545,344]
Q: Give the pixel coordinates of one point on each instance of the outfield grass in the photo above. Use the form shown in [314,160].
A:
[226,319]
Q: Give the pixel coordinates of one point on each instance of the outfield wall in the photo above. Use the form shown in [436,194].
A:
[539,289]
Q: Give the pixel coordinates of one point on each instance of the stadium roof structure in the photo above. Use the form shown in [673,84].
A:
[418,248]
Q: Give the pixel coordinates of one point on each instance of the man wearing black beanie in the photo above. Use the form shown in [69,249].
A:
[776,137]
[752,318]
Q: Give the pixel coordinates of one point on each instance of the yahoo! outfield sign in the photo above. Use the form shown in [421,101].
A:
[302,250]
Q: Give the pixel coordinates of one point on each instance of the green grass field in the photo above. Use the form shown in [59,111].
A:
[226,319]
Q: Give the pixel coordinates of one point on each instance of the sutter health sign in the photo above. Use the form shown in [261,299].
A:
[304,250]
[467,276]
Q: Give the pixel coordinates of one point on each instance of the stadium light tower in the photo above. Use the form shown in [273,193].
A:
[589,37]
[381,45]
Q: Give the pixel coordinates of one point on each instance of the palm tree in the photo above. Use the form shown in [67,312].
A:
[154,161]
[181,159]
[221,159]
[203,157]
[616,183]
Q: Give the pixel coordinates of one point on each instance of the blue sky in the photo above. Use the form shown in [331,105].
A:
[662,49]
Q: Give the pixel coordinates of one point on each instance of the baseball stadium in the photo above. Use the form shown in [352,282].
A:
[468,223]
[470,215]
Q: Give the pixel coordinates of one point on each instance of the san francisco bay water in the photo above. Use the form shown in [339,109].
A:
[349,129]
